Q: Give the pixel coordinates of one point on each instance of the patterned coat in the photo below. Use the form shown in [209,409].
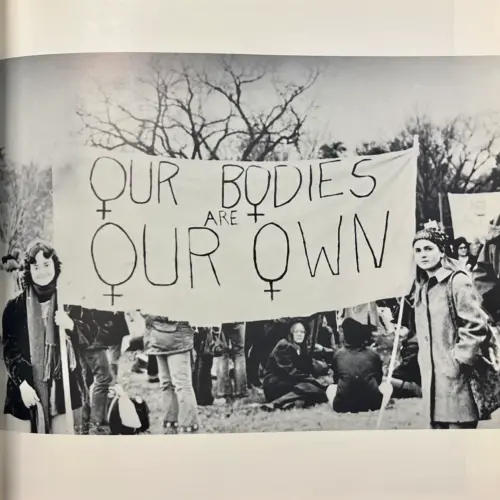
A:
[445,356]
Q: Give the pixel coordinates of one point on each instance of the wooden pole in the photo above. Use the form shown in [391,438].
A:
[70,424]
[392,363]
[441,209]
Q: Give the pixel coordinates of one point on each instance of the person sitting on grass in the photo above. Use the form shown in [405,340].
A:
[357,371]
[289,381]
[406,379]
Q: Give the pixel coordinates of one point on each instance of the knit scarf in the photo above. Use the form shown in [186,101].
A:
[44,349]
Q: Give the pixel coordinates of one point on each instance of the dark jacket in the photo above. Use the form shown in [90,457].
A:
[286,368]
[16,350]
[408,370]
[358,373]
[486,277]
[105,328]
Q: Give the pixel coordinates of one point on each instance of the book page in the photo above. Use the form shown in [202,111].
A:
[227,208]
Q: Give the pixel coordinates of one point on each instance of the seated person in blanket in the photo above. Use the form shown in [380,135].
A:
[357,371]
[291,371]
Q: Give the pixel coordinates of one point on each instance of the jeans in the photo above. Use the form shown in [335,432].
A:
[235,335]
[99,365]
[115,352]
[179,401]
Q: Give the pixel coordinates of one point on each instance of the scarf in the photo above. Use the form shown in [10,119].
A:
[45,293]
[44,349]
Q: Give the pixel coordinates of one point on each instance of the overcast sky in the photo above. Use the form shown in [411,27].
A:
[358,99]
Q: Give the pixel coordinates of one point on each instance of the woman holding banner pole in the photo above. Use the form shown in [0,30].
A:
[36,398]
[444,294]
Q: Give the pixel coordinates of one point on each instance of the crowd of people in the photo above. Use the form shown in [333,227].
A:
[289,362]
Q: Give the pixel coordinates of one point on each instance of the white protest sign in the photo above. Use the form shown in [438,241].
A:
[213,241]
[471,213]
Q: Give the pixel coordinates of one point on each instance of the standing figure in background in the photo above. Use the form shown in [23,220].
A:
[109,328]
[234,333]
[31,326]
[366,314]
[461,253]
[171,342]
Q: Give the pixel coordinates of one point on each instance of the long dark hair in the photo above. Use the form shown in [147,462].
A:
[30,258]
[456,245]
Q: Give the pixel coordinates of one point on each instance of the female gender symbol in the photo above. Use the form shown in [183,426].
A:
[271,290]
[255,214]
[106,177]
[113,254]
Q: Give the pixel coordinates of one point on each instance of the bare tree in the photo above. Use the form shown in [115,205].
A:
[335,149]
[25,203]
[454,158]
[203,114]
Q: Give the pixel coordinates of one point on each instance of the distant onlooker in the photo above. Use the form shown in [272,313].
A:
[461,253]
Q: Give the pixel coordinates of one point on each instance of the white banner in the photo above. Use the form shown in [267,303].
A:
[471,213]
[212,241]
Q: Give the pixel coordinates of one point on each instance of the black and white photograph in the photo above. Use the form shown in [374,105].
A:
[219,243]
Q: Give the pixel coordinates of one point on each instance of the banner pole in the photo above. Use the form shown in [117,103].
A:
[416,144]
[70,425]
[392,363]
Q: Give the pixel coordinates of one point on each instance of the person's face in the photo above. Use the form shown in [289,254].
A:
[42,270]
[463,250]
[427,255]
[298,333]
[474,248]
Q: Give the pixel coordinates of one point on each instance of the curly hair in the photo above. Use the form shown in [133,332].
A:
[30,258]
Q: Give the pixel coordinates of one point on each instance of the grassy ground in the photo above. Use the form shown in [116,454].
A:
[401,414]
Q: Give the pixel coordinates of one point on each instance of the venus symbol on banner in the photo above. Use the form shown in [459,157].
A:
[196,240]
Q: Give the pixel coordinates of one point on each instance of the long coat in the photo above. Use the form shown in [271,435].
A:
[445,356]
[16,349]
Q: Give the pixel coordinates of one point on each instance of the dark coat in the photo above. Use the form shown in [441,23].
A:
[486,277]
[287,371]
[358,372]
[408,370]
[106,328]
[16,350]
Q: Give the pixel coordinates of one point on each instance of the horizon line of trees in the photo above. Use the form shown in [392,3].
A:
[191,113]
